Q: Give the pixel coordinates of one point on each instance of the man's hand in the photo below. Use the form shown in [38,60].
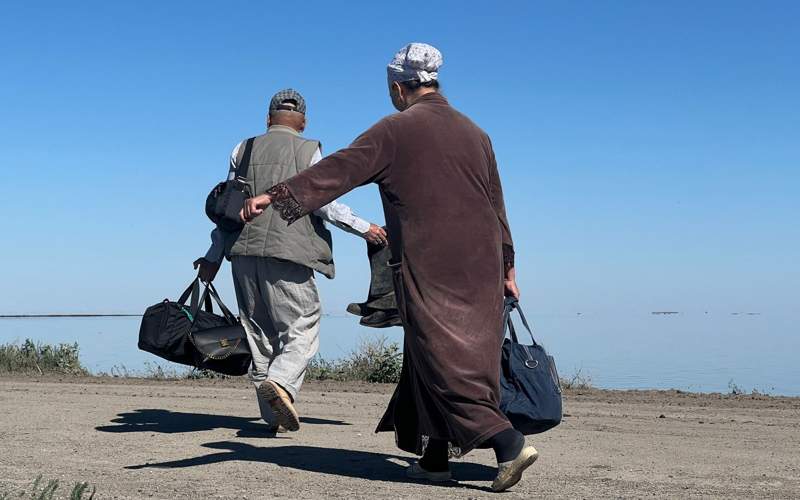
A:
[376,235]
[253,207]
[510,284]
[208,270]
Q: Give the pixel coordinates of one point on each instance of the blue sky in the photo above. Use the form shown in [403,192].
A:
[650,151]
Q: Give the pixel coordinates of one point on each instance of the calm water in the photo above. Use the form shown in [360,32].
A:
[692,352]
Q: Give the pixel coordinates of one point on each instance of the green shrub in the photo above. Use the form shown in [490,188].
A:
[375,360]
[30,357]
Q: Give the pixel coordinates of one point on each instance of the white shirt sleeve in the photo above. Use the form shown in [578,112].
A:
[339,214]
[233,163]
[216,252]
[315,158]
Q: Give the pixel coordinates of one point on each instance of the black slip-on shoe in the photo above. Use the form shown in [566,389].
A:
[358,308]
[382,319]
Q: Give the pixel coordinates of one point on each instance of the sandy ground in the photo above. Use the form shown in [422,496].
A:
[152,439]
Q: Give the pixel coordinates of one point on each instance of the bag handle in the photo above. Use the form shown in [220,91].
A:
[510,304]
[185,295]
[244,162]
[222,307]
[208,293]
[194,290]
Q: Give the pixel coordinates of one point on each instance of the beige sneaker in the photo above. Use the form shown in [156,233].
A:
[415,471]
[281,404]
[267,415]
[509,473]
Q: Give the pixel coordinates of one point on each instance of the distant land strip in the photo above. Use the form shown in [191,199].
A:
[733,313]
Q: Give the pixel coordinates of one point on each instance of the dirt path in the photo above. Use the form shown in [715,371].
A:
[149,439]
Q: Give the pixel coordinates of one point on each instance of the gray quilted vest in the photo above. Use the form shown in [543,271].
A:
[277,156]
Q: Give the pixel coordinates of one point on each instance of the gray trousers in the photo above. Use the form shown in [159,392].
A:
[280,311]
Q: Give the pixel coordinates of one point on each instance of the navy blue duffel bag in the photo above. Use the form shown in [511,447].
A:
[529,386]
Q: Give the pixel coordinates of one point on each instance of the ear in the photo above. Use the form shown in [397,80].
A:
[303,124]
[398,90]
[269,121]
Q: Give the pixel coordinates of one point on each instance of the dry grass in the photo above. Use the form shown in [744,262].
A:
[577,381]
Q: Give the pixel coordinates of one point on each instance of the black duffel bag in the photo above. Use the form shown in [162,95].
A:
[529,385]
[193,335]
[227,198]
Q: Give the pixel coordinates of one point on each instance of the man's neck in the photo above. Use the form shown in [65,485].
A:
[285,128]
[422,92]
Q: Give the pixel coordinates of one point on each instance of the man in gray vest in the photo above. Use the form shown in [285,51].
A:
[273,263]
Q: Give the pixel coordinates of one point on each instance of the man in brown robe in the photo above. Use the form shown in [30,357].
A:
[453,262]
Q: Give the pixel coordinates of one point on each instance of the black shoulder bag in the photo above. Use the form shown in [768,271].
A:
[227,198]
[530,390]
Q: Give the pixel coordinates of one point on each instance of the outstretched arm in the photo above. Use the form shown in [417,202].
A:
[364,161]
[343,217]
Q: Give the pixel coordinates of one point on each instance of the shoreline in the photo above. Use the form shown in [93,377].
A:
[368,387]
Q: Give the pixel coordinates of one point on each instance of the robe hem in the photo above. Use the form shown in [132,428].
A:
[484,436]
[473,444]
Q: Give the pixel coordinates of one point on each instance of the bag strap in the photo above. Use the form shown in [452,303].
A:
[207,305]
[193,290]
[189,290]
[225,311]
[208,293]
[244,161]
[510,304]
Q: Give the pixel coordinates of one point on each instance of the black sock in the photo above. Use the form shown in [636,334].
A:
[507,445]
[436,456]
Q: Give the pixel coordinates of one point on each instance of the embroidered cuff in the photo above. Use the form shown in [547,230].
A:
[285,203]
[508,258]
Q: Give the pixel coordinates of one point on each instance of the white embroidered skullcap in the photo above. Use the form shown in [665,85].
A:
[415,61]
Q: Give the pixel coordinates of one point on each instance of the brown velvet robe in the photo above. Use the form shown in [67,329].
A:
[449,234]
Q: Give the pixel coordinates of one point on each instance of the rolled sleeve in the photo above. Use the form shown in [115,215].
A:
[360,225]
[343,217]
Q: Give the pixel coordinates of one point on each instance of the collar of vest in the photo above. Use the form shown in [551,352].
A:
[284,129]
